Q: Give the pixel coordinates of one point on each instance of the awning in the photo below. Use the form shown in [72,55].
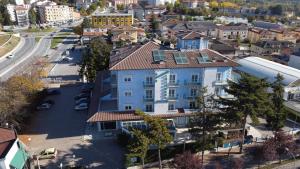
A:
[19,159]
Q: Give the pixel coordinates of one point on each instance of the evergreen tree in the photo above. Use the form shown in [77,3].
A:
[250,99]
[277,118]
[139,145]
[205,122]
[32,16]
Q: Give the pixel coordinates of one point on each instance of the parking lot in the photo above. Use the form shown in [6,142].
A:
[63,128]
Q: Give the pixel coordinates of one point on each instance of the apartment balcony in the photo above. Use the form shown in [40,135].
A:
[191,83]
[173,98]
[173,83]
[220,82]
[148,99]
[147,84]
[113,80]
[188,97]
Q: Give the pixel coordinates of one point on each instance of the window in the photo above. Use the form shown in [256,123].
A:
[171,92]
[219,77]
[194,78]
[128,107]
[127,93]
[171,106]
[149,94]
[127,79]
[217,91]
[193,92]
[172,78]
[149,108]
[149,80]
[192,105]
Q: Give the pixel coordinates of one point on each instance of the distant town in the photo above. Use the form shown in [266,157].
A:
[138,84]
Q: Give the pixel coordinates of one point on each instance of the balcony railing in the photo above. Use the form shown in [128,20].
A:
[221,82]
[148,84]
[172,97]
[148,99]
[189,97]
[193,83]
[173,83]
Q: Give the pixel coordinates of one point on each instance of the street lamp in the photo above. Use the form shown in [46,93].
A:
[60,165]
[74,160]
[287,149]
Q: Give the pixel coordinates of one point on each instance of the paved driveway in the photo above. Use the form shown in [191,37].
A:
[63,128]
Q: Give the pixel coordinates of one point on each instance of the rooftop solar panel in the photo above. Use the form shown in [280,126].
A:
[158,55]
[203,57]
[180,58]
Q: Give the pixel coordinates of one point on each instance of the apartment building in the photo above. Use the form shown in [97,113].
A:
[50,12]
[115,3]
[112,19]
[22,15]
[158,81]
[232,32]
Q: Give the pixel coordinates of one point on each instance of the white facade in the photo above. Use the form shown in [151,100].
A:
[160,2]
[5,162]
[51,13]
[11,11]
[19,2]
[165,90]
[294,61]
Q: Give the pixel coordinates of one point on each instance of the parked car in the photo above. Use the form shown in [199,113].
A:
[82,99]
[48,153]
[66,59]
[53,92]
[82,106]
[44,106]
[81,95]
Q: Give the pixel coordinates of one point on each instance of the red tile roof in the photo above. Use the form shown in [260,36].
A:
[128,115]
[142,59]
[6,135]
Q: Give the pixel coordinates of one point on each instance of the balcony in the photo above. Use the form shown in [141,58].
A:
[148,99]
[189,97]
[191,83]
[147,84]
[173,83]
[172,98]
[221,82]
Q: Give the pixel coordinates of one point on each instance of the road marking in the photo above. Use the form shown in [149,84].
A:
[23,59]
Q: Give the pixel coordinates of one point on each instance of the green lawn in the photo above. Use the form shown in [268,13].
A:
[13,42]
[40,30]
[37,39]
[56,40]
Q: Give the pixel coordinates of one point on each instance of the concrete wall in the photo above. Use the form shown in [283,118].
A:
[294,61]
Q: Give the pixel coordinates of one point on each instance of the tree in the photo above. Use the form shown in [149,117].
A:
[276,10]
[204,122]
[154,23]
[157,133]
[277,118]
[96,58]
[32,16]
[120,7]
[250,99]
[187,160]
[86,23]
[139,145]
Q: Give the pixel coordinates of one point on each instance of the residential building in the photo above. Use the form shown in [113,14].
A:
[160,2]
[294,60]
[89,33]
[50,12]
[127,34]
[12,151]
[266,25]
[115,3]
[191,3]
[84,3]
[11,11]
[138,11]
[191,41]
[160,82]
[225,49]
[19,2]
[269,47]
[22,15]
[232,32]
[228,20]
[263,68]
[112,19]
